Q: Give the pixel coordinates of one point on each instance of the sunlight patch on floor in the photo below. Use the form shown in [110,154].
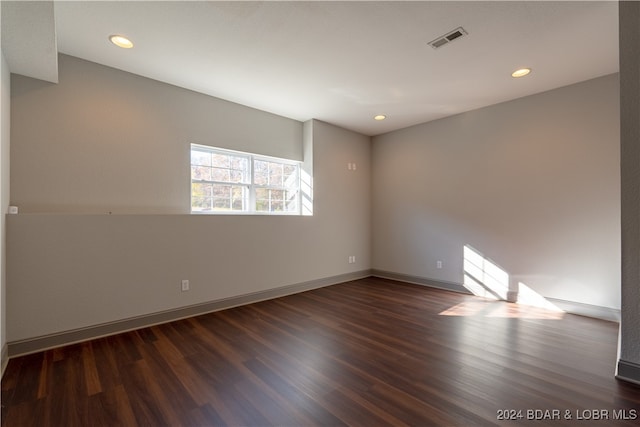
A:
[501,309]
[490,282]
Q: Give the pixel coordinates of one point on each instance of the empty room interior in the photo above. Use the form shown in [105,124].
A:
[320,213]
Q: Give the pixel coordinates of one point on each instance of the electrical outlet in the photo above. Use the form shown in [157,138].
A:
[185,285]
[352,259]
[438,264]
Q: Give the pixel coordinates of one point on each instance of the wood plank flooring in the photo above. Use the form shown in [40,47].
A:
[371,352]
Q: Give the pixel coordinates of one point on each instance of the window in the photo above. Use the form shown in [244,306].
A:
[225,181]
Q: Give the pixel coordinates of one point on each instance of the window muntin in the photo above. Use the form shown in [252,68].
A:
[224,181]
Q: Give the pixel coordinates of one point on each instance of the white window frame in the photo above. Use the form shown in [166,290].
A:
[250,209]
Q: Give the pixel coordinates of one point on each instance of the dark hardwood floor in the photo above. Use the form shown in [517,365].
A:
[371,352]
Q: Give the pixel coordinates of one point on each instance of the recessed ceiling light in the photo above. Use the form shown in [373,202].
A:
[121,41]
[379,117]
[521,72]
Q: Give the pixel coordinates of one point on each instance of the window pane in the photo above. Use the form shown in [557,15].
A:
[239,197]
[221,204]
[277,206]
[260,172]
[219,174]
[201,158]
[275,174]
[270,200]
[200,197]
[201,204]
[262,199]
[241,163]
[223,180]
[238,205]
[222,197]
[225,169]
[220,160]
[277,195]
[237,176]
[291,176]
[229,197]
[201,173]
[200,190]
[291,201]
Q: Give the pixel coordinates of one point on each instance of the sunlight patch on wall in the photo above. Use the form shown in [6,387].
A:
[527,296]
[483,277]
[306,188]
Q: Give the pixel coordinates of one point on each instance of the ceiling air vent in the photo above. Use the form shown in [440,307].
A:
[447,38]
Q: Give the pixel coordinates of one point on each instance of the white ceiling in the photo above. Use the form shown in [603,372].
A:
[344,62]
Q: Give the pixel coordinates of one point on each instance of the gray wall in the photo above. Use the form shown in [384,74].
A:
[72,266]
[533,184]
[629,363]
[103,140]
[4,197]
